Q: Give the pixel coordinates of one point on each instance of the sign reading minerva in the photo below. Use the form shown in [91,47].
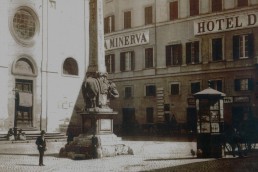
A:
[127,40]
[226,23]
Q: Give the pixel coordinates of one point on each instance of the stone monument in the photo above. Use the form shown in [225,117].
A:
[97,138]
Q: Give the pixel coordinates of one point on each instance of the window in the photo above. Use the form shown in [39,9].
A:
[150,115]
[127,61]
[243,46]
[245,84]
[195,87]
[150,90]
[148,15]
[70,67]
[216,5]
[127,19]
[174,88]
[173,55]
[109,24]
[242,3]
[24,25]
[194,7]
[216,84]
[173,8]
[128,91]
[110,63]
[217,52]
[148,57]
[192,52]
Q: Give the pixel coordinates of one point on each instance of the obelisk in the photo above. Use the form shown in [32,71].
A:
[97,138]
[96,39]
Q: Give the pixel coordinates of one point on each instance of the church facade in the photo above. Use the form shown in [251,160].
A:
[43,61]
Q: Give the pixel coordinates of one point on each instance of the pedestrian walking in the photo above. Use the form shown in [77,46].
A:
[41,143]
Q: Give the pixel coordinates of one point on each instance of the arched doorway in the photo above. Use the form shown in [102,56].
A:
[24,71]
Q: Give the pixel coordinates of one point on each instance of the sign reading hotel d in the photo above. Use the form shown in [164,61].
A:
[226,23]
[127,40]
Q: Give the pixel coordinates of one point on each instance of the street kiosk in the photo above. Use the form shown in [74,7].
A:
[210,123]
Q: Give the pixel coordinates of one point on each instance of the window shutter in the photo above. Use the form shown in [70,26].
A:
[180,54]
[146,58]
[122,61]
[113,63]
[132,60]
[250,84]
[196,51]
[194,7]
[250,45]
[236,47]
[106,25]
[188,53]
[113,23]
[237,84]
[106,63]
[219,85]
[173,10]
[168,55]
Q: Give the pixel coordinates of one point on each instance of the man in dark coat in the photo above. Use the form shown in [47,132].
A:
[41,143]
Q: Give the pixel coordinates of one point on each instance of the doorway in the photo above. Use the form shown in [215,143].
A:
[23,103]
[240,113]
[192,120]
[128,120]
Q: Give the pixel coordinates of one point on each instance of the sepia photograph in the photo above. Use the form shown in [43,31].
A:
[128,85]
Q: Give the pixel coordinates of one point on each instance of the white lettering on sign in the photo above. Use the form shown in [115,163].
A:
[127,40]
[226,23]
[228,99]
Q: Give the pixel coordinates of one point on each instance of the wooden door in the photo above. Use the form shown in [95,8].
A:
[23,103]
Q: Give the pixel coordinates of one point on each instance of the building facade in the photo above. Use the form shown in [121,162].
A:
[159,53]
[43,60]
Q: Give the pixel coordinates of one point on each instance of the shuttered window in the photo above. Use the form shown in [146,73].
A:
[148,57]
[216,5]
[173,55]
[216,84]
[217,49]
[109,24]
[194,7]
[242,3]
[128,91]
[192,52]
[243,46]
[173,7]
[127,61]
[245,84]
[110,63]
[127,19]
[148,15]
[195,87]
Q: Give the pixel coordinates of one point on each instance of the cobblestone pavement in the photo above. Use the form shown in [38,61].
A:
[148,156]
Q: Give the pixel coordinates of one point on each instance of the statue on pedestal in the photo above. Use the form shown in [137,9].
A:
[97,90]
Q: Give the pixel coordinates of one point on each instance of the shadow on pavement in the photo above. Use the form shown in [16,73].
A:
[246,164]
[27,165]
[22,154]
[167,159]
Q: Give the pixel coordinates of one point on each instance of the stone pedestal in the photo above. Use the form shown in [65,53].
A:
[100,126]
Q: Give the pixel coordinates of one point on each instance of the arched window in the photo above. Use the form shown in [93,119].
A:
[70,67]
[24,65]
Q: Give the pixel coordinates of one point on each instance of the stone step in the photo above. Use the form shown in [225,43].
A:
[33,134]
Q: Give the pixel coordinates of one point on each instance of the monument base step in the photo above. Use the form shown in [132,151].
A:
[108,145]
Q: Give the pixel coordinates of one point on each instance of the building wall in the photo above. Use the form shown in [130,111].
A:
[180,31]
[62,33]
